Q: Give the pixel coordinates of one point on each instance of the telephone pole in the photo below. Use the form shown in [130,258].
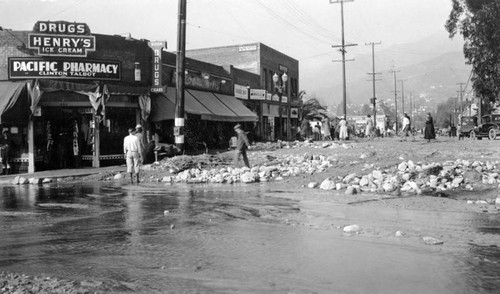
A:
[461,97]
[180,77]
[411,107]
[403,95]
[344,90]
[373,73]
[395,96]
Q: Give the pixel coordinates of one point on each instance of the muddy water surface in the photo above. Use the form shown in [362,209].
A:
[240,239]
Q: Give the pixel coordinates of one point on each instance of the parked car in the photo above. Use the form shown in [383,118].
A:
[489,128]
[467,125]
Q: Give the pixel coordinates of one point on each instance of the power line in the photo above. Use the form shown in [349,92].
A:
[393,71]
[373,73]
[344,90]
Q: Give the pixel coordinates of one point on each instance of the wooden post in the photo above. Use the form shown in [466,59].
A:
[97,141]
[31,146]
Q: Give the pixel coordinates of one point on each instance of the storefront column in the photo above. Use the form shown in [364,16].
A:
[137,117]
[97,141]
[31,146]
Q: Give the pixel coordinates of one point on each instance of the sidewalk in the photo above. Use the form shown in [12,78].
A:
[61,173]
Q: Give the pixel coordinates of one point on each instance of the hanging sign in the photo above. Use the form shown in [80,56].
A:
[61,38]
[257,94]
[241,91]
[157,47]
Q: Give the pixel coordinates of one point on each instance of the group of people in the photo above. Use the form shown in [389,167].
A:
[134,150]
[429,130]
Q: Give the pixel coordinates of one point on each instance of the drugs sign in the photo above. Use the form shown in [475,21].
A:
[61,38]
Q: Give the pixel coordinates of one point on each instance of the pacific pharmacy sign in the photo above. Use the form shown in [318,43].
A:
[30,68]
[61,38]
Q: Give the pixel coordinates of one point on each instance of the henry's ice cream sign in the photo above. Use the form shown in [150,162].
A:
[61,38]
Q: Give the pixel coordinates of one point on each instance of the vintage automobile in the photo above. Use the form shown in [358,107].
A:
[489,128]
[467,125]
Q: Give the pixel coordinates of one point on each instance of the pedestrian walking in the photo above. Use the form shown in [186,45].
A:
[5,152]
[407,126]
[327,135]
[343,134]
[430,132]
[369,127]
[242,144]
[140,136]
[132,150]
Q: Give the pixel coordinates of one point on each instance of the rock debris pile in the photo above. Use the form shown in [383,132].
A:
[407,177]
[418,178]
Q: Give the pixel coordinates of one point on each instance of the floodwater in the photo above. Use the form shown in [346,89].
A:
[240,239]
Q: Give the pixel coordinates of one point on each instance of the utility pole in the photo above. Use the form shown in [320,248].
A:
[395,97]
[461,98]
[411,107]
[403,95]
[181,75]
[373,73]
[344,94]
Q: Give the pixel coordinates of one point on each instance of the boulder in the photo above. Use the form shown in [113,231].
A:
[402,166]
[472,176]
[350,190]
[247,177]
[15,181]
[364,181]
[313,185]
[378,175]
[327,184]
[351,229]
[388,187]
[432,241]
[349,178]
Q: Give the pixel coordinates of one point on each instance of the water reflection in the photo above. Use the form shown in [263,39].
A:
[233,239]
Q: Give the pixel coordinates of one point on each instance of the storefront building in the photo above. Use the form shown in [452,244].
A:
[211,109]
[68,96]
[278,103]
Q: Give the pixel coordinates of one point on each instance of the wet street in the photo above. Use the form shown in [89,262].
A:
[242,239]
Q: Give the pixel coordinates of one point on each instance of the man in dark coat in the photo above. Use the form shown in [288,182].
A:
[242,144]
[429,132]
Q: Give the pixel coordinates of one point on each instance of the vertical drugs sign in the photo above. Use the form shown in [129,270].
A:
[157,83]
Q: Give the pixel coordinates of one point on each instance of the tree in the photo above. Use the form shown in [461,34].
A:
[366,109]
[478,22]
[446,113]
[313,109]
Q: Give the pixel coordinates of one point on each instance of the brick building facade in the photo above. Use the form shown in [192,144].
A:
[278,110]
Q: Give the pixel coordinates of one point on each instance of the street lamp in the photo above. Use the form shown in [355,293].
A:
[280,90]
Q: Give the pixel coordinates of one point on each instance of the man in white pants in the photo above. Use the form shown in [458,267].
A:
[132,150]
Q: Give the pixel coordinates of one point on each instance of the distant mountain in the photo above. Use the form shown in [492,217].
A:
[431,67]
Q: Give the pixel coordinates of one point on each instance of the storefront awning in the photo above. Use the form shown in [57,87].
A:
[243,113]
[162,108]
[127,90]
[214,107]
[9,93]
[218,111]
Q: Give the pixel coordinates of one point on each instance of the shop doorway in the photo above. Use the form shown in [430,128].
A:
[59,137]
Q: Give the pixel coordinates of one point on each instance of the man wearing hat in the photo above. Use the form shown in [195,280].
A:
[242,145]
[138,134]
[131,148]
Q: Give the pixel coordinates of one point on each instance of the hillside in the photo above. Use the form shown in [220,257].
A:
[431,67]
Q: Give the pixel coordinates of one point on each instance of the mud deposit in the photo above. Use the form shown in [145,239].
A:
[86,238]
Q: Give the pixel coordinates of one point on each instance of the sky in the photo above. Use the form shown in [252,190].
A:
[302,29]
